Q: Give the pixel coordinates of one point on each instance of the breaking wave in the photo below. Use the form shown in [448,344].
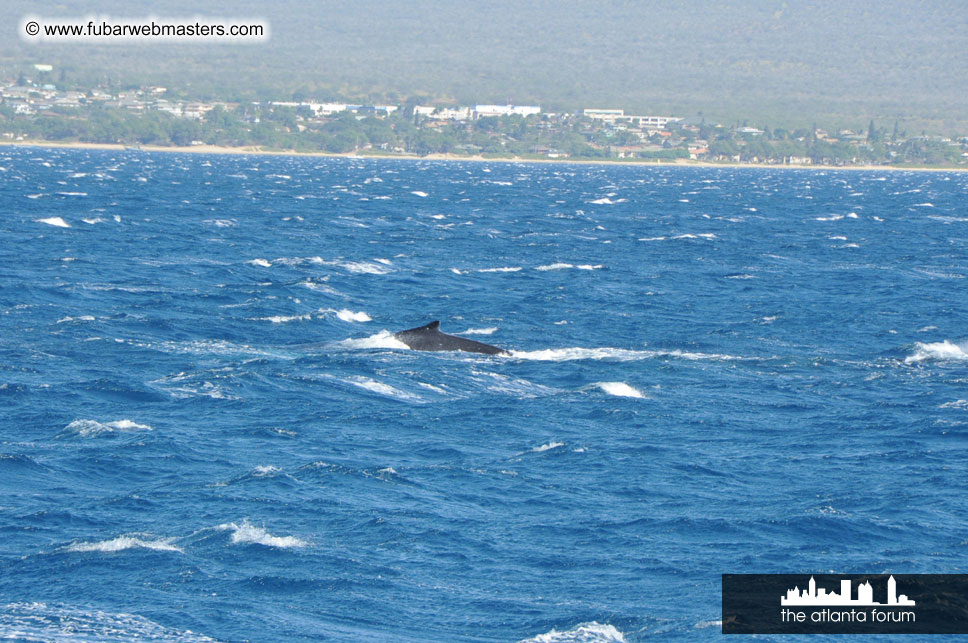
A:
[479,331]
[350,316]
[619,389]
[122,543]
[939,351]
[617,354]
[593,632]
[51,623]
[282,319]
[383,339]
[565,266]
[91,428]
[246,533]
[55,221]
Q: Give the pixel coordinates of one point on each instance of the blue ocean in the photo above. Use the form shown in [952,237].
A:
[208,431]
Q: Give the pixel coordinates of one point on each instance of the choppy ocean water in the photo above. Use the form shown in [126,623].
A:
[207,433]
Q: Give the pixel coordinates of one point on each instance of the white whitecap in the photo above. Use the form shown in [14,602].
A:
[52,622]
[80,318]
[92,428]
[593,632]
[54,221]
[502,269]
[122,543]
[616,354]
[435,389]
[260,262]
[479,331]
[247,533]
[619,389]
[547,447]
[350,316]
[704,624]
[419,193]
[283,319]
[363,267]
[555,266]
[383,339]
[940,351]
[380,388]
[698,235]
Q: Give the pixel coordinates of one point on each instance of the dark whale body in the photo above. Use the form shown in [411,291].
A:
[429,338]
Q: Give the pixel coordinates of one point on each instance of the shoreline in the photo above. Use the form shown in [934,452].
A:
[257,151]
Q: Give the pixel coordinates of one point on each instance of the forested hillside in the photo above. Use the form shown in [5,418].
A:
[766,61]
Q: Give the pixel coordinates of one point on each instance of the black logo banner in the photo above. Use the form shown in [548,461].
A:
[845,604]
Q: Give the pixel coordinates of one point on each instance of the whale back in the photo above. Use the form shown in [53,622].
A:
[429,338]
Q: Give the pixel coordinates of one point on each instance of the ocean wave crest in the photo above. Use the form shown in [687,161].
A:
[52,623]
[348,315]
[283,319]
[383,339]
[122,543]
[619,389]
[547,447]
[593,632]
[617,354]
[91,428]
[380,388]
[479,331]
[938,351]
[566,266]
[57,222]
[246,533]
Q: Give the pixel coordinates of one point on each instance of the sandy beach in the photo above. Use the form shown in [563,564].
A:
[253,150]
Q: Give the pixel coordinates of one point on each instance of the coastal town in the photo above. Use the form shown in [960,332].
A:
[36,108]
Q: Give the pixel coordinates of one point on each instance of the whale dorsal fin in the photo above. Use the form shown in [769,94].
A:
[434,325]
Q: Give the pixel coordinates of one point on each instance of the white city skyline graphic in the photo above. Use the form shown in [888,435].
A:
[814,595]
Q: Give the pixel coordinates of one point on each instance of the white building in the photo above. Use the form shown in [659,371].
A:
[607,115]
[481,111]
[443,113]
[653,122]
[611,116]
